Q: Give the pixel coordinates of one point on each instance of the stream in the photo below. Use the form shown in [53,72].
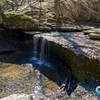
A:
[31,72]
[36,72]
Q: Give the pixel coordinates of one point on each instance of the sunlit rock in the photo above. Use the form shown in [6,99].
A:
[94,36]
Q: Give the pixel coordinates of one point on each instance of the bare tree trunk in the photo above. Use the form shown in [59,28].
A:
[1,21]
[57,9]
[78,8]
[98,10]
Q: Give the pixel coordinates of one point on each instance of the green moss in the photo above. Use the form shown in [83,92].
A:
[17,21]
[36,25]
[9,11]
[79,77]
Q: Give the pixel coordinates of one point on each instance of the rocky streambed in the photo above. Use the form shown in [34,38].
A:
[21,77]
[71,74]
[77,50]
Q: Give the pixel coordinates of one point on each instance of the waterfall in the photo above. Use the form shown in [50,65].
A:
[35,44]
[42,49]
[48,53]
[42,52]
[35,49]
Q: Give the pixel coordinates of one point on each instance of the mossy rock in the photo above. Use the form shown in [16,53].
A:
[14,20]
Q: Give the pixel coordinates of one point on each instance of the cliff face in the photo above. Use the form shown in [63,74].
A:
[43,16]
[31,17]
[76,50]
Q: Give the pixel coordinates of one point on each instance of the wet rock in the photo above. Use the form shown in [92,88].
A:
[32,32]
[78,51]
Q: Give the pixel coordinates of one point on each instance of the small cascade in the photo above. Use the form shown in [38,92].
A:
[35,49]
[42,49]
[35,43]
[42,52]
[48,48]
[45,49]
[40,58]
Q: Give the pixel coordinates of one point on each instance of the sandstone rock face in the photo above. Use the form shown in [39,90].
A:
[78,51]
[31,17]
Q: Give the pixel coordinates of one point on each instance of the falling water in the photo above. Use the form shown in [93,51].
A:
[35,43]
[48,49]
[44,52]
[35,51]
[45,49]
[42,49]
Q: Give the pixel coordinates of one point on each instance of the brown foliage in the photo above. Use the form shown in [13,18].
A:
[81,10]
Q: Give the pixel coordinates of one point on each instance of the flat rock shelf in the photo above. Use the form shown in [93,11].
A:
[62,66]
[76,50]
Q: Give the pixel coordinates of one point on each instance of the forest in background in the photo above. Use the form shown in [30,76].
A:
[75,10]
